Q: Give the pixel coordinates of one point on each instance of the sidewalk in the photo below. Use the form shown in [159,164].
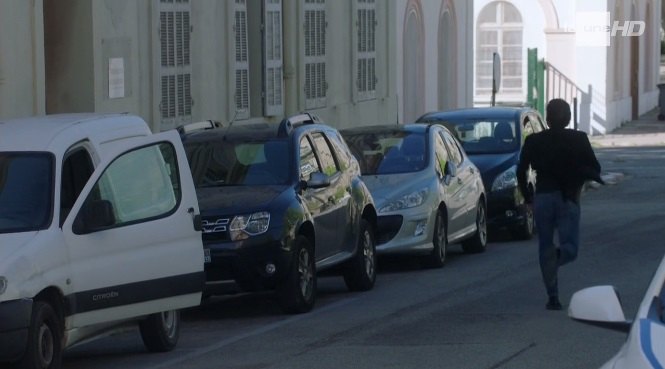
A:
[647,130]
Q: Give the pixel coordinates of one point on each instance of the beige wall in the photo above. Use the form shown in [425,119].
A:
[21,59]
[83,35]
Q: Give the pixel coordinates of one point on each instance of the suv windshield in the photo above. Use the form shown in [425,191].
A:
[485,136]
[224,163]
[26,188]
[389,152]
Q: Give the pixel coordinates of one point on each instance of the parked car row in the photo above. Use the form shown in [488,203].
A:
[103,224]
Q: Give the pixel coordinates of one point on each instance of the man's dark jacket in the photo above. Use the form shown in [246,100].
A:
[563,160]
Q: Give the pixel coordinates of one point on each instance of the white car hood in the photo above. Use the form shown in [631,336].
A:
[10,244]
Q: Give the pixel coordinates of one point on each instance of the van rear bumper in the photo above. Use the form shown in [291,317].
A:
[14,323]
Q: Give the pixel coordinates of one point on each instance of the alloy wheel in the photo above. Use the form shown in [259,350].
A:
[305,273]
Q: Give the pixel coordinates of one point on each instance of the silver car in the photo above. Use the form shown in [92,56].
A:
[427,191]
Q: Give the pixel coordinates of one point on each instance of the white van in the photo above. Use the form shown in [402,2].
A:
[99,228]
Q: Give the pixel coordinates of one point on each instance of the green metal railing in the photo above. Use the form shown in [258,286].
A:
[535,96]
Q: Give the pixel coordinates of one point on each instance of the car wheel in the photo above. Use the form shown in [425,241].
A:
[360,274]
[44,350]
[440,241]
[525,230]
[160,331]
[478,243]
[297,292]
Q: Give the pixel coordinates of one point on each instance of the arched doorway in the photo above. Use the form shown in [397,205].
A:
[413,74]
[447,64]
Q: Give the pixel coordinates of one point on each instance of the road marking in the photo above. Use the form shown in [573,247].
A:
[259,331]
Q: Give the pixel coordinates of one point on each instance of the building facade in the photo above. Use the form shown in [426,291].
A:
[611,84]
[353,62]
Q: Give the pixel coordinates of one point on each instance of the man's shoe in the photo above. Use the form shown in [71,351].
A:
[553,304]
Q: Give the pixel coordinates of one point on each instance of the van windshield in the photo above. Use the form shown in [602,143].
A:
[26,191]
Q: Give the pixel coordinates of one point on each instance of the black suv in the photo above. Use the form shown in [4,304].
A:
[280,203]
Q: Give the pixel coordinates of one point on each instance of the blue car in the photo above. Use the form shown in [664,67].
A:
[493,138]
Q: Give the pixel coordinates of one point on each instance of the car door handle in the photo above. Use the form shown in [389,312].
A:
[331,200]
[196,219]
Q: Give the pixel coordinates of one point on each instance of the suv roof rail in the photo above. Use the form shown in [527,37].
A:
[199,126]
[287,125]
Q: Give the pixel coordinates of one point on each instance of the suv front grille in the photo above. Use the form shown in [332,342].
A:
[215,229]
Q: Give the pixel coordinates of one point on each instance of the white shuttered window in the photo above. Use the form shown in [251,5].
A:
[272,75]
[241,94]
[315,54]
[366,49]
[175,63]
[499,29]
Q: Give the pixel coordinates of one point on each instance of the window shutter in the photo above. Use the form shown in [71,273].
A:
[273,83]
[175,63]
[241,60]
[315,54]
[365,51]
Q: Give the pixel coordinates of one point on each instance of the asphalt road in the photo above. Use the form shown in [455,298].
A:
[480,311]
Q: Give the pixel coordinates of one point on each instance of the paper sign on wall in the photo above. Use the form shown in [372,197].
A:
[116,78]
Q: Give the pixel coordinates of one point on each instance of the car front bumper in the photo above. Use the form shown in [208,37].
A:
[407,232]
[256,263]
[15,318]
[505,209]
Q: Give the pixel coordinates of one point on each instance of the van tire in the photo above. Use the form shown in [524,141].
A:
[160,331]
[45,334]
[360,274]
[297,292]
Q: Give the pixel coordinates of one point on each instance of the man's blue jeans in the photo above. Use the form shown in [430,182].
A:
[553,213]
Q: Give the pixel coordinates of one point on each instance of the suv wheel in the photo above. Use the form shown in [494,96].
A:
[440,241]
[361,272]
[44,349]
[160,331]
[478,243]
[297,292]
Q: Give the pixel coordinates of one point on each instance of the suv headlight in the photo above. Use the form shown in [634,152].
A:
[506,180]
[243,226]
[3,285]
[410,200]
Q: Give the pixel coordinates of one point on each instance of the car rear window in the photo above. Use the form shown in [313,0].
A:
[389,152]
[224,163]
[485,136]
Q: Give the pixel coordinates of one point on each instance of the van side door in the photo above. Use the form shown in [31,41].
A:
[132,235]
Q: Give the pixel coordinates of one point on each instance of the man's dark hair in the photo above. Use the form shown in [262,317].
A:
[558,113]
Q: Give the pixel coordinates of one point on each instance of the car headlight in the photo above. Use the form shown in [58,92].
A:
[243,226]
[3,285]
[506,180]
[410,200]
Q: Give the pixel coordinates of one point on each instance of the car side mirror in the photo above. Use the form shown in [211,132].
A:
[449,172]
[600,306]
[318,180]
[94,216]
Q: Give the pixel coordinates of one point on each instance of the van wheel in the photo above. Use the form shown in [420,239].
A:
[44,350]
[478,243]
[160,331]
[297,292]
[440,241]
[360,274]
